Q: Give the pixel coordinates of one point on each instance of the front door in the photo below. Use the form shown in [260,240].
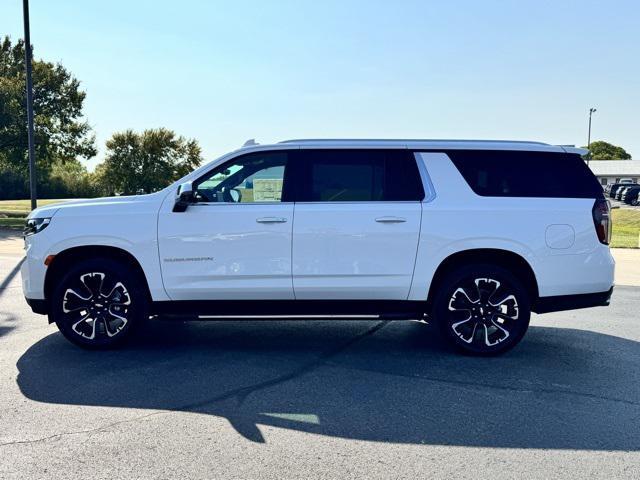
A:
[357,224]
[235,242]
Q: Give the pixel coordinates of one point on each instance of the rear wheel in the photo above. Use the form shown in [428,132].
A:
[97,302]
[482,310]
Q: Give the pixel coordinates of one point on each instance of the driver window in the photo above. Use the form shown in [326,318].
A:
[253,178]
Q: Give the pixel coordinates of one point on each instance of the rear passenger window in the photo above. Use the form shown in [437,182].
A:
[358,176]
[526,174]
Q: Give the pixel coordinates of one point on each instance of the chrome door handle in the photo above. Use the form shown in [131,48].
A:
[390,220]
[271,220]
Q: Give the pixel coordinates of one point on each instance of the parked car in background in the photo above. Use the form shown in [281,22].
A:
[613,188]
[621,192]
[630,195]
[472,235]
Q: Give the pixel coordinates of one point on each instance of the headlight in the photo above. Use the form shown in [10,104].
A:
[35,225]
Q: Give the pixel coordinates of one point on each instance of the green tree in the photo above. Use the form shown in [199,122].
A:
[606,151]
[101,181]
[61,133]
[147,161]
[70,180]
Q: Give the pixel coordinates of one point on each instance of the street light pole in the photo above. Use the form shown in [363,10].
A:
[591,112]
[27,62]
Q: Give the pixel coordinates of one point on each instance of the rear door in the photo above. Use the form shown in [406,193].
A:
[357,223]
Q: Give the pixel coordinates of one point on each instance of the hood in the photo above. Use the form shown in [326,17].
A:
[51,210]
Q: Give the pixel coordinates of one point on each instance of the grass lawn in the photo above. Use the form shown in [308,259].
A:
[626,228]
[12,222]
[21,208]
[17,210]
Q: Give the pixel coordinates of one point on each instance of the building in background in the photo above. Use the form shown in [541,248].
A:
[614,171]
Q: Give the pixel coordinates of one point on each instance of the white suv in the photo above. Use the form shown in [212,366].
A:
[473,235]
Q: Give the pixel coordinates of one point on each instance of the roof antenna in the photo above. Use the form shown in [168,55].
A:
[250,143]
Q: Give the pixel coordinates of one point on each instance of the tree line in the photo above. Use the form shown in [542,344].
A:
[134,162]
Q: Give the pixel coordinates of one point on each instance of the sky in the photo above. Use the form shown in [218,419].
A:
[223,72]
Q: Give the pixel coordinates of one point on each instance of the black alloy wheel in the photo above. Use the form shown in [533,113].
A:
[97,302]
[482,310]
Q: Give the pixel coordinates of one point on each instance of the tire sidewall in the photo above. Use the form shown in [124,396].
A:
[462,274]
[116,270]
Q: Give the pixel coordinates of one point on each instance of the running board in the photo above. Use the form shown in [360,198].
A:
[288,309]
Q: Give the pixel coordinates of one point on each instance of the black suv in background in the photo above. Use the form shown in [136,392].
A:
[630,195]
[616,187]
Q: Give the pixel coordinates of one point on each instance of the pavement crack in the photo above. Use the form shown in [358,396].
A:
[243,393]
[82,432]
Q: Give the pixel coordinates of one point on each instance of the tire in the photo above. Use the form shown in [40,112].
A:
[482,310]
[98,302]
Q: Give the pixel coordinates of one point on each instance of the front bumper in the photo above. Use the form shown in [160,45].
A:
[572,302]
[33,269]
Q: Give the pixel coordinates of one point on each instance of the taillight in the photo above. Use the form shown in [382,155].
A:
[602,220]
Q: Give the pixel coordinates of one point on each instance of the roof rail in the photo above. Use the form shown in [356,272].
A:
[407,140]
[574,149]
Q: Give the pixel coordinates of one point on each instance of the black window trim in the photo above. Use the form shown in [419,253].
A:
[293,173]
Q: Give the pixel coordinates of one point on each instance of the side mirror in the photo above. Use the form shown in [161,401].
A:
[184,197]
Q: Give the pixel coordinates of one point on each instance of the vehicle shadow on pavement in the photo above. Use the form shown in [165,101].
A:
[6,280]
[7,323]
[10,233]
[7,320]
[377,381]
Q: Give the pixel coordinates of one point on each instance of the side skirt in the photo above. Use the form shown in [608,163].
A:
[389,309]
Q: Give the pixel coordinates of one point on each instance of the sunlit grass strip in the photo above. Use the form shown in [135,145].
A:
[626,228]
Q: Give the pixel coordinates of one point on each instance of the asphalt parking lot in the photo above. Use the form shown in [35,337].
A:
[320,399]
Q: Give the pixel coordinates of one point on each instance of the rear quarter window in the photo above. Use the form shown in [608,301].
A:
[526,174]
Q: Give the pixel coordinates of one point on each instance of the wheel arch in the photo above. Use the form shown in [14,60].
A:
[65,258]
[507,259]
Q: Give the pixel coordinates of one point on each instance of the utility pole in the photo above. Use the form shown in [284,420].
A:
[591,112]
[27,63]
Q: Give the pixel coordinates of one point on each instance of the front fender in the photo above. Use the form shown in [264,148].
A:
[132,228]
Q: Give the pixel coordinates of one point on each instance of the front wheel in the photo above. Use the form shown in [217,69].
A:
[97,302]
[482,310]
